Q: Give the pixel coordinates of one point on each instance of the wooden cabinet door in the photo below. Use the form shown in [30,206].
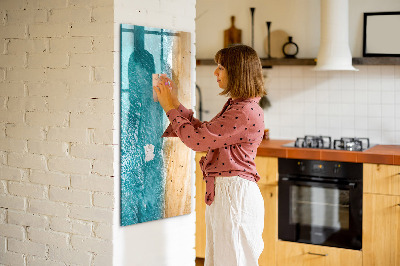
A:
[297,254]
[381,230]
[381,179]
[267,168]
[200,209]
[270,233]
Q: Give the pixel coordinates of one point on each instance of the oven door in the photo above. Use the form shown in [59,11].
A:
[321,212]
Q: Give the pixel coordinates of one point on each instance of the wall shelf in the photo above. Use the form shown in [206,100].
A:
[312,61]
[376,61]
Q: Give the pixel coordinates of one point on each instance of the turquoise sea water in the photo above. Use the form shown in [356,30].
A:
[144,51]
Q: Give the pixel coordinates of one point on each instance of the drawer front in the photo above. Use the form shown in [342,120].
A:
[293,254]
[381,179]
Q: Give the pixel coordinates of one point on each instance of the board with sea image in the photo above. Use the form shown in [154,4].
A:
[155,171]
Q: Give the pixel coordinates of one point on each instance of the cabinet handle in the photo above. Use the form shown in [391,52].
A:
[318,254]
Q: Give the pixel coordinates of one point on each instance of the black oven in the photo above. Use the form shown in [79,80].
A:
[320,202]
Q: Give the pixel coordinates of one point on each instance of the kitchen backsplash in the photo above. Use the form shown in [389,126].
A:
[337,104]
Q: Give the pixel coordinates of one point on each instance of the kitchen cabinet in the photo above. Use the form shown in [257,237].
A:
[200,209]
[298,254]
[267,168]
[381,215]
[270,233]
[381,221]
[381,179]
[381,230]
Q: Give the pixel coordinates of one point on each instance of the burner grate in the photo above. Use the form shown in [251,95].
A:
[320,142]
[351,144]
[324,142]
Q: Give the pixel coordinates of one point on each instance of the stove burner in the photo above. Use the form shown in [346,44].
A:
[308,141]
[324,142]
[351,144]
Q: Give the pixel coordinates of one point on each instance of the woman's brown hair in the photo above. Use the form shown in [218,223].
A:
[245,78]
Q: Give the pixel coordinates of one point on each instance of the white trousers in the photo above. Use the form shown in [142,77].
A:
[234,223]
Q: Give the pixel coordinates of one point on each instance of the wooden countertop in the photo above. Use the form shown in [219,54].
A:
[379,154]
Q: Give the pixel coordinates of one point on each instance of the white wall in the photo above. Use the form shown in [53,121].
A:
[169,241]
[299,18]
[56,119]
[338,104]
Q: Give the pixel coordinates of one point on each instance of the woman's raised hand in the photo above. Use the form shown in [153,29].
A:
[164,94]
[174,90]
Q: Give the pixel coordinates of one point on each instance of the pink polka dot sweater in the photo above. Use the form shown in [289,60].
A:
[231,139]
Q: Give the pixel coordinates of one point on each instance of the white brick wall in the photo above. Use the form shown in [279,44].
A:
[56,126]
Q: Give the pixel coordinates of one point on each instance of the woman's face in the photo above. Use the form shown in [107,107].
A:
[222,76]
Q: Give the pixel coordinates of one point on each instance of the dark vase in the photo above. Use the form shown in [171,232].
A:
[290,49]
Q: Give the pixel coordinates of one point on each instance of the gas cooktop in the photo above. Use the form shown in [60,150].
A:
[325,142]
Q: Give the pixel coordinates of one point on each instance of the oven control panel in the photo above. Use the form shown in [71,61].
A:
[330,169]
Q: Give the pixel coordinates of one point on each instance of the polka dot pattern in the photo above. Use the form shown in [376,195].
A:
[231,139]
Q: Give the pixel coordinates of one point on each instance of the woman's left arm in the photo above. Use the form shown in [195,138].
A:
[186,113]
[228,129]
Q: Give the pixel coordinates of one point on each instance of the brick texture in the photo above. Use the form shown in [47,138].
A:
[28,219]
[56,121]
[71,226]
[27,247]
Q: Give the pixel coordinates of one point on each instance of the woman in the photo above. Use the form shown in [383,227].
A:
[235,207]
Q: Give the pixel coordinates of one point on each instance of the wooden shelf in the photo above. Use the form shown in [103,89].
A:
[376,61]
[288,62]
[312,61]
[268,62]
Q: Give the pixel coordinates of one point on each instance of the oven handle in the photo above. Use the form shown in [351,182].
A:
[297,181]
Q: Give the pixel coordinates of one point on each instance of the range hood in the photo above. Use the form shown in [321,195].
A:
[334,51]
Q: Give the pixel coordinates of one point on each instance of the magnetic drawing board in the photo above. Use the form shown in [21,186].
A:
[155,171]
